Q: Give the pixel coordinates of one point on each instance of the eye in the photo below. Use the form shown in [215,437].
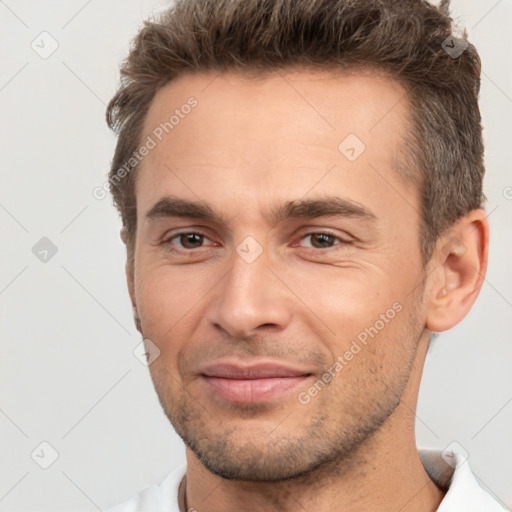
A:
[323,240]
[188,240]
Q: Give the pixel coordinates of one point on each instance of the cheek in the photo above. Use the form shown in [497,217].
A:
[165,293]
[362,303]
[368,314]
[346,298]
[170,304]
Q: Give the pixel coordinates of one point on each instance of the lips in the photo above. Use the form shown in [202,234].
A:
[257,371]
[251,383]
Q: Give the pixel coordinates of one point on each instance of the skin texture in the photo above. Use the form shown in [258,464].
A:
[250,145]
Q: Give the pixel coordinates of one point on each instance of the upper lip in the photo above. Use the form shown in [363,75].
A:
[262,370]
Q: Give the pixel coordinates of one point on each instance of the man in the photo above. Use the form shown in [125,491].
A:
[300,185]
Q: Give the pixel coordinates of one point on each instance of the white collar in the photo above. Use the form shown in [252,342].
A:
[463,493]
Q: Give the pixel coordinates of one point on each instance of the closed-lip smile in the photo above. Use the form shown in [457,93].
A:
[251,383]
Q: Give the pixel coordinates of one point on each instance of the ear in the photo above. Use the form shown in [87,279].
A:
[458,267]
[130,280]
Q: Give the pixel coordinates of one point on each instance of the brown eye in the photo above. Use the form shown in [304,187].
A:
[322,240]
[190,240]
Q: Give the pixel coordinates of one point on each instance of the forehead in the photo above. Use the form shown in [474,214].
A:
[277,132]
[328,100]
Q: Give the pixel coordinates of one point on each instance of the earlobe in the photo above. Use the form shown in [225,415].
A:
[460,262]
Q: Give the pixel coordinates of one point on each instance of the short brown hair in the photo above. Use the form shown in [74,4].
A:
[408,40]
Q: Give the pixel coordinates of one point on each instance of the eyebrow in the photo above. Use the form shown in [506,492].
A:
[171,206]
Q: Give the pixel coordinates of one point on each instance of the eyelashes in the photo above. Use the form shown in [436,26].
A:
[189,241]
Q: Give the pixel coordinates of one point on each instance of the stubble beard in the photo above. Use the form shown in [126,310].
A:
[330,439]
[326,441]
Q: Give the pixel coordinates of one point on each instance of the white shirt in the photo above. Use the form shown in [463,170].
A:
[463,495]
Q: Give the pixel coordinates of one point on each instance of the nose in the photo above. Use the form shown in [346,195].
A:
[251,297]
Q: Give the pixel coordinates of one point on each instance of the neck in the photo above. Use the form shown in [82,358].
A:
[385,473]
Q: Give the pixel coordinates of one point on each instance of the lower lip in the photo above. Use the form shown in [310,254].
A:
[252,390]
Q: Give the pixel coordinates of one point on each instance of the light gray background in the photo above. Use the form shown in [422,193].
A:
[68,374]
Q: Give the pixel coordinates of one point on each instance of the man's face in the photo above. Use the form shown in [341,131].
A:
[253,308]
